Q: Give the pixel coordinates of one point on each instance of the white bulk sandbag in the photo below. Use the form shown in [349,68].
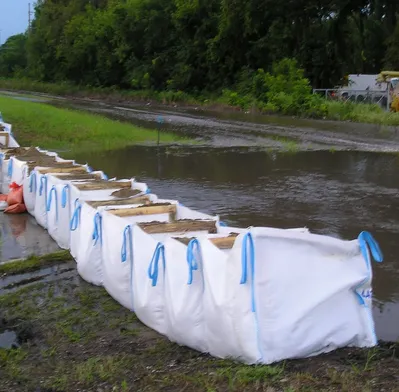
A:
[89,252]
[75,225]
[312,293]
[13,170]
[17,170]
[40,210]
[147,280]
[29,188]
[183,295]
[185,298]
[230,324]
[59,215]
[52,209]
[64,217]
[117,264]
[5,175]
[1,170]
[126,273]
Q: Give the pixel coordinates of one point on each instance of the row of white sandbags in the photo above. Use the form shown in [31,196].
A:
[276,294]
[50,197]
[52,200]
[87,228]
[16,170]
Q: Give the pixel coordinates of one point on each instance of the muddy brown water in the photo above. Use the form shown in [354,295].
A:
[338,194]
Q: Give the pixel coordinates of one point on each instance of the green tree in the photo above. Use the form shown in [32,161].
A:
[13,59]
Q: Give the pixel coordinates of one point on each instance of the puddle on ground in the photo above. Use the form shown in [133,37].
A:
[8,339]
[338,194]
[22,237]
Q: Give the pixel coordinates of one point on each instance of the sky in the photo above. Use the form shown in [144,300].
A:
[13,17]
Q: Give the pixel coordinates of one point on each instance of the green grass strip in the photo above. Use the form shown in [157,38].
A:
[34,263]
[39,124]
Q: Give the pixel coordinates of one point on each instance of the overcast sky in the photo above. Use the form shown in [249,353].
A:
[13,17]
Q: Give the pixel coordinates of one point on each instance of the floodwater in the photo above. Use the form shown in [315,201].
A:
[338,194]
[8,339]
[22,237]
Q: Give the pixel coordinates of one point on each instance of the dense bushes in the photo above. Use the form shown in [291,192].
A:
[284,90]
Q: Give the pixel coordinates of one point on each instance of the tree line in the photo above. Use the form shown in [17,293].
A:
[201,45]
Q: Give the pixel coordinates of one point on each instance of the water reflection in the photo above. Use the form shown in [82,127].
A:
[21,237]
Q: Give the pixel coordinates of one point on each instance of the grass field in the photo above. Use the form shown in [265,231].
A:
[39,124]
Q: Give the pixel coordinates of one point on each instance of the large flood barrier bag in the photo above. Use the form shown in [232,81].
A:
[309,293]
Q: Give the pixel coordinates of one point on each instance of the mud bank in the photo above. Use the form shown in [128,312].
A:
[66,335]
[227,129]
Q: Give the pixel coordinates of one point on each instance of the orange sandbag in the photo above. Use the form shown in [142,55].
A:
[16,195]
[15,209]
[3,197]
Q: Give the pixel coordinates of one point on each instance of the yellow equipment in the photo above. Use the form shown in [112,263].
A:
[386,76]
[392,78]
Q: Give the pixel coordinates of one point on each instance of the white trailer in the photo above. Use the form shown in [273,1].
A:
[365,88]
[364,82]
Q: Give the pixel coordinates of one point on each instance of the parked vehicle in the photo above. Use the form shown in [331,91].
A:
[364,88]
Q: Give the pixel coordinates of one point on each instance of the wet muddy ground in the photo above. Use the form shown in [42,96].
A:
[221,129]
[71,336]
